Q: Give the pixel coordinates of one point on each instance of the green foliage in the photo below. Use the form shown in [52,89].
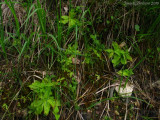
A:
[71,20]
[126,72]
[67,66]
[137,28]
[2,32]
[108,22]
[118,55]
[93,51]
[5,106]
[146,118]
[35,33]
[44,97]
[107,118]
[100,47]
[158,49]
[151,53]
[41,16]
[71,86]
[67,55]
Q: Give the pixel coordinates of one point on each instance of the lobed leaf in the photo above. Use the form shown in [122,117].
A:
[46,106]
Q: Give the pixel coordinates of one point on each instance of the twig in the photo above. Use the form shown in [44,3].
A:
[113,85]
[126,109]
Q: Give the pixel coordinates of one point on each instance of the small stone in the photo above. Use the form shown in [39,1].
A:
[127,91]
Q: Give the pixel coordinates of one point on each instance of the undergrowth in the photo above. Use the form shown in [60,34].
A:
[64,59]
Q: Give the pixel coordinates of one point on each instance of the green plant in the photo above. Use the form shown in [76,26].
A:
[98,47]
[2,33]
[126,72]
[94,51]
[67,65]
[107,118]
[41,16]
[66,58]
[71,20]
[137,28]
[146,118]
[44,97]
[118,55]
[5,106]
[158,49]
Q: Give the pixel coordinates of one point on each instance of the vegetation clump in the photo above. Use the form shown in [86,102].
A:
[90,60]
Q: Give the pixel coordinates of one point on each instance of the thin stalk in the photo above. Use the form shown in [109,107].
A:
[59,25]
[2,33]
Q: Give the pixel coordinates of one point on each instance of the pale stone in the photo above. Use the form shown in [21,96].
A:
[125,91]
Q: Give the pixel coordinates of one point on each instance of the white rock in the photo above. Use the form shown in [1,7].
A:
[125,92]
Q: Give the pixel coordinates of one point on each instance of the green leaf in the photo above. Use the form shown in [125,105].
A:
[112,17]
[96,42]
[115,45]
[57,116]
[96,52]
[46,106]
[52,102]
[93,37]
[111,55]
[73,22]
[65,19]
[118,52]
[109,50]
[56,110]
[125,72]
[77,107]
[37,106]
[123,59]
[108,22]
[39,110]
[35,85]
[116,60]
[158,49]
[137,27]
[72,13]
[128,57]
[38,103]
